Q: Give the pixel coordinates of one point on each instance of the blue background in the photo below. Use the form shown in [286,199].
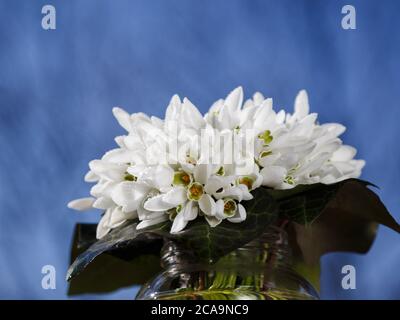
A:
[57,89]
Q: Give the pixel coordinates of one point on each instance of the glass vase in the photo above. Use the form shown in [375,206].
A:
[260,270]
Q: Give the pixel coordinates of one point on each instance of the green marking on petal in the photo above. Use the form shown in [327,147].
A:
[266,137]
[174,212]
[190,159]
[265,154]
[129,177]
[221,171]
[195,191]
[289,180]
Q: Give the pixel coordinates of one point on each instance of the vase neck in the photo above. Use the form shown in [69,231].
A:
[272,245]
[260,269]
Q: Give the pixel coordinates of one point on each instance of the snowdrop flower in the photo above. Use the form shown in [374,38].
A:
[195,192]
[148,180]
[226,114]
[297,150]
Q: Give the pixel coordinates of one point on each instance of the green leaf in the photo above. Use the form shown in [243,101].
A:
[209,244]
[108,273]
[132,257]
[339,217]
[304,203]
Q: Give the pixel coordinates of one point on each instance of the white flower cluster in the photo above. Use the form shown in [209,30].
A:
[149,179]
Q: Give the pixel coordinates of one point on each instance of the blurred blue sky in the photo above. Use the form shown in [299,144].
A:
[57,89]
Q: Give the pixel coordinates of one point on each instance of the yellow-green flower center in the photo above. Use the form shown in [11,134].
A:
[181,178]
[247,181]
[195,191]
[229,207]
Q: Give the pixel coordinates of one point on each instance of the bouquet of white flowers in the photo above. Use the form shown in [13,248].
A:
[215,182]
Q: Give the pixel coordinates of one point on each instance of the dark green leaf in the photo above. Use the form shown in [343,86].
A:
[143,242]
[338,217]
[84,236]
[209,244]
[108,273]
[305,203]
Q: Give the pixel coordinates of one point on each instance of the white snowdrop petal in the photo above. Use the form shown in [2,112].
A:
[157,203]
[273,176]
[213,221]
[163,176]
[173,109]
[190,211]
[103,203]
[175,196]
[301,106]
[122,117]
[81,204]
[234,99]
[118,217]
[147,223]
[245,193]
[144,214]
[119,140]
[343,167]
[202,172]
[133,142]
[118,156]
[240,215]
[191,115]
[207,205]
[258,98]
[179,223]
[262,114]
[102,188]
[103,225]
[329,147]
[90,176]
[335,129]
[107,170]
[269,159]
[313,164]
[344,153]
[219,209]
[129,195]
[280,116]
[236,192]
[358,164]
[137,170]
[157,121]
[213,184]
